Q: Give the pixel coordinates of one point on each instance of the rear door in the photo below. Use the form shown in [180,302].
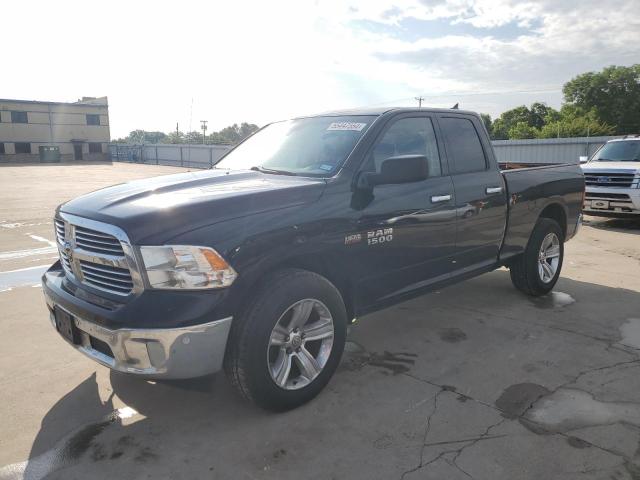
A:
[406,232]
[481,205]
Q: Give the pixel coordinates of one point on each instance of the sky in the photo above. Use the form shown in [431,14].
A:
[162,63]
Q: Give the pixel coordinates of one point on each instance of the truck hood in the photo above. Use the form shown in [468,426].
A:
[156,209]
[611,166]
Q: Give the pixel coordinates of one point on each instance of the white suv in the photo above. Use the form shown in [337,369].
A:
[612,178]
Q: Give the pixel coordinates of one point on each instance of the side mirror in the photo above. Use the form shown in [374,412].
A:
[583,159]
[394,170]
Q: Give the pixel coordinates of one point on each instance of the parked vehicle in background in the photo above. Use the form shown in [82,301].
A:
[259,264]
[612,178]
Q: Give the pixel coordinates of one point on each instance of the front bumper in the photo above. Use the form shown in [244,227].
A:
[170,353]
[612,202]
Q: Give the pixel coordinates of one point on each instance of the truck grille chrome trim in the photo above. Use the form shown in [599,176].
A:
[610,179]
[92,241]
[97,255]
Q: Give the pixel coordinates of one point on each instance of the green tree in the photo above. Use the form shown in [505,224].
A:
[486,119]
[174,137]
[142,136]
[573,123]
[505,122]
[539,114]
[613,94]
[522,130]
[193,137]
[232,134]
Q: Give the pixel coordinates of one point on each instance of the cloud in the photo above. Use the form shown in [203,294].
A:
[553,42]
[256,61]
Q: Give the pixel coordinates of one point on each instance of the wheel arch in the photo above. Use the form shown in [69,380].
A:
[321,263]
[328,268]
[556,211]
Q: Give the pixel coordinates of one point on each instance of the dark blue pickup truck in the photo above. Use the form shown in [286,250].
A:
[258,265]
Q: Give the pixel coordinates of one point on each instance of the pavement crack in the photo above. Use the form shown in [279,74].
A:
[426,433]
[456,452]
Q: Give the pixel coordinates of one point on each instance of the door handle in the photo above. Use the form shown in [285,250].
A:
[440,198]
[492,190]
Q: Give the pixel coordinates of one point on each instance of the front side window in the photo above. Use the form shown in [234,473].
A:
[619,151]
[1,148]
[19,117]
[463,145]
[22,147]
[408,136]
[93,119]
[315,146]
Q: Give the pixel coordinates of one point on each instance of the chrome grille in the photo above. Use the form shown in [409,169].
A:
[59,230]
[103,276]
[609,179]
[96,254]
[64,258]
[97,242]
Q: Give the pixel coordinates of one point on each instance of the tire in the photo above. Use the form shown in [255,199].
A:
[257,348]
[527,273]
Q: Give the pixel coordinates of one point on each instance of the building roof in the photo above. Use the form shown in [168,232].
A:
[85,101]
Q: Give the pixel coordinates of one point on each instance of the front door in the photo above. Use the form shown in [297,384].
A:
[77,151]
[407,231]
[481,204]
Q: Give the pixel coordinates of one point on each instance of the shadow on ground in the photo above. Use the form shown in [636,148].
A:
[623,225]
[442,386]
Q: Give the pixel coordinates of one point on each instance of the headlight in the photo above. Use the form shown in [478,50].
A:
[183,266]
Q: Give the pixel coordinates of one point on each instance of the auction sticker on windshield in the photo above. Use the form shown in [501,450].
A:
[352,126]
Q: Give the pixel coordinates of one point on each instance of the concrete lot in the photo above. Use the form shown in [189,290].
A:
[476,381]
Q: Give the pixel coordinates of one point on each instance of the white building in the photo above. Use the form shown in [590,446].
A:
[54,131]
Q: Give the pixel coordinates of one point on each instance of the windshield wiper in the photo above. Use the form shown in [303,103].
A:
[272,170]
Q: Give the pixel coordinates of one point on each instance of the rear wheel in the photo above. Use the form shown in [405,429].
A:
[537,270]
[287,345]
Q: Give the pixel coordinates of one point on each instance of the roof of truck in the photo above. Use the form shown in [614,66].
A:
[626,138]
[383,110]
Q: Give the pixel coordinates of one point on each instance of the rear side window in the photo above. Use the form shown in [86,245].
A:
[463,145]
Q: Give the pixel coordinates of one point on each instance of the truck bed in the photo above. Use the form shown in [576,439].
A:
[530,189]
[522,165]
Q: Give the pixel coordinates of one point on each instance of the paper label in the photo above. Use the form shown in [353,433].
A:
[351,126]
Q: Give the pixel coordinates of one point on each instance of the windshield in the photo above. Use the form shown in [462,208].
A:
[306,146]
[619,152]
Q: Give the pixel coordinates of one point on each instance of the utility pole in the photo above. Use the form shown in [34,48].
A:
[177,132]
[420,100]
[203,123]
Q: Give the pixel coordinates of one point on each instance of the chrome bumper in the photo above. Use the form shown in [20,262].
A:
[171,353]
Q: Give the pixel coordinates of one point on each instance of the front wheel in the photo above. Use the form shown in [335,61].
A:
[288,343]
[536,271]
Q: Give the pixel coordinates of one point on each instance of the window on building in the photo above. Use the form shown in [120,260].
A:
[1,148]
[93,119]
[19,117]
[22,147]
[463,145]
[95,148]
